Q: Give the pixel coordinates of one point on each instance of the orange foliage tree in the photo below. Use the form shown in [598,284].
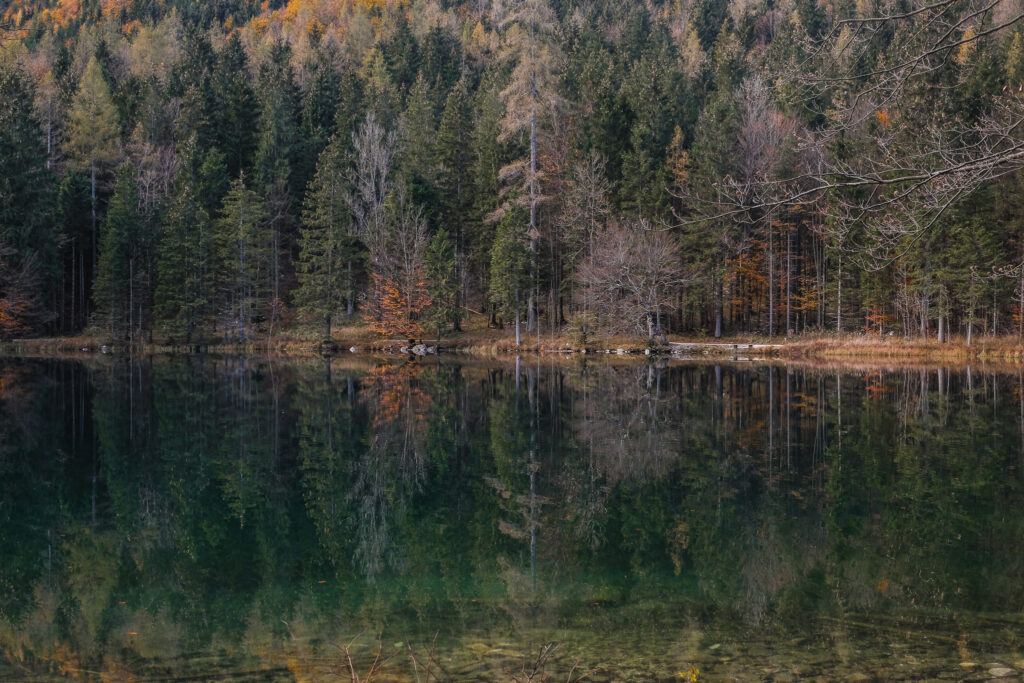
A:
[395,309]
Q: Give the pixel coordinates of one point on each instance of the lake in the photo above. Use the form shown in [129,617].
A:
[542,519]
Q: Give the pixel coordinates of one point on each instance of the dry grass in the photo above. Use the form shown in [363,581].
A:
[854,346]
[478,338]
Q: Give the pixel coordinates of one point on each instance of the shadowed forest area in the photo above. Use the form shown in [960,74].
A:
[222,172]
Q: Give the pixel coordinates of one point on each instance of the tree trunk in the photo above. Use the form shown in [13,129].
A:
[771,280]
[351,292]
[839,297]
[718,309]
[92,173]
[789,280]
[519,336]
[531,311]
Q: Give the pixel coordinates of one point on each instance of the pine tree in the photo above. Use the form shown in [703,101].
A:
[418,144]
[244,243]
[485,189]
[235,107]
[93,132]
[28,244]
[319,112]
[114,289]
[530,44]
[186,267]
[1014,68]
[328,250]
[510,268]
[379,91]
[26,185]
[454,180]
[443,281]
[276,164]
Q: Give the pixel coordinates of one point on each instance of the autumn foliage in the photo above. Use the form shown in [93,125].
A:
[394,310]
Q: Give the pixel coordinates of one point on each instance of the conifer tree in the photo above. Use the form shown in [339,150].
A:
[530,44]
[418,149]
[276,163]
[236,107]
[443,281]
[186,276]
[93,133]
[27,239]
[454,180]
[510,268]
[244,243]
[379,91]
[329,251]
[114,289]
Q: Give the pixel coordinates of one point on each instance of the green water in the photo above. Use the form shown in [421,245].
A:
[239,519]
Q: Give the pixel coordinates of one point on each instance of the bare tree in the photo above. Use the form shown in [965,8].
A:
[634,273]
[912,163]
[584,211]
[370,178]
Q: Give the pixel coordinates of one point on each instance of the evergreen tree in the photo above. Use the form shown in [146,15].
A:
[510,268]
[319,113]
[236,107]
[379,91]
[277,170]
[72,209]
[93,133]
[27,239]
[454,180]
[487,160]
[530,44]
[443,281]
[418,149]
[186,275]
[244,243]
[114,288]
[329,252]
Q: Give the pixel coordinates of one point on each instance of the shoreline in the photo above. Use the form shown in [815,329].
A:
[836,348]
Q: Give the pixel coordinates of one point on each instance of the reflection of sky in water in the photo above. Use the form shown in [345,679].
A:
[207,517]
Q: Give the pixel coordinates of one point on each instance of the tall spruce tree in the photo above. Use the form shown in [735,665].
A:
[114,288]
[329,252]
[27,237]
[93,134]
[244,244]
[510,268]
[186,276]
[454,181]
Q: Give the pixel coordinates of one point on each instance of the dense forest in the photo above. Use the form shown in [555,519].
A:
[225,171]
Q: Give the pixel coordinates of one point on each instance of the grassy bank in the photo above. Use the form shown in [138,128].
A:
[479,339]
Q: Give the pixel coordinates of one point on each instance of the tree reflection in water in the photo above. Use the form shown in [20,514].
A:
[165,515]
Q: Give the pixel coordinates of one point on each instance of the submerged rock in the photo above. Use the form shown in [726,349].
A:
[1000,672]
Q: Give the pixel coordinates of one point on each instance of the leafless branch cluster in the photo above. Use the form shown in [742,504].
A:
[892,156]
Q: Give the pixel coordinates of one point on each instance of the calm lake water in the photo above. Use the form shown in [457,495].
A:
[224,518]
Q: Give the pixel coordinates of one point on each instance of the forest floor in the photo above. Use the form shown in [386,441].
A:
[479,339]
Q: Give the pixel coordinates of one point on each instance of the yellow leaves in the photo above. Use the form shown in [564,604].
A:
[882,585]
[679,160]
[966,49]
[883,118]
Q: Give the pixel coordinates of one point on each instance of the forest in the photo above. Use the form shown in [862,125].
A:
[223,172]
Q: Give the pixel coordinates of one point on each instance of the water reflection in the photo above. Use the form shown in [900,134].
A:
[208,516]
